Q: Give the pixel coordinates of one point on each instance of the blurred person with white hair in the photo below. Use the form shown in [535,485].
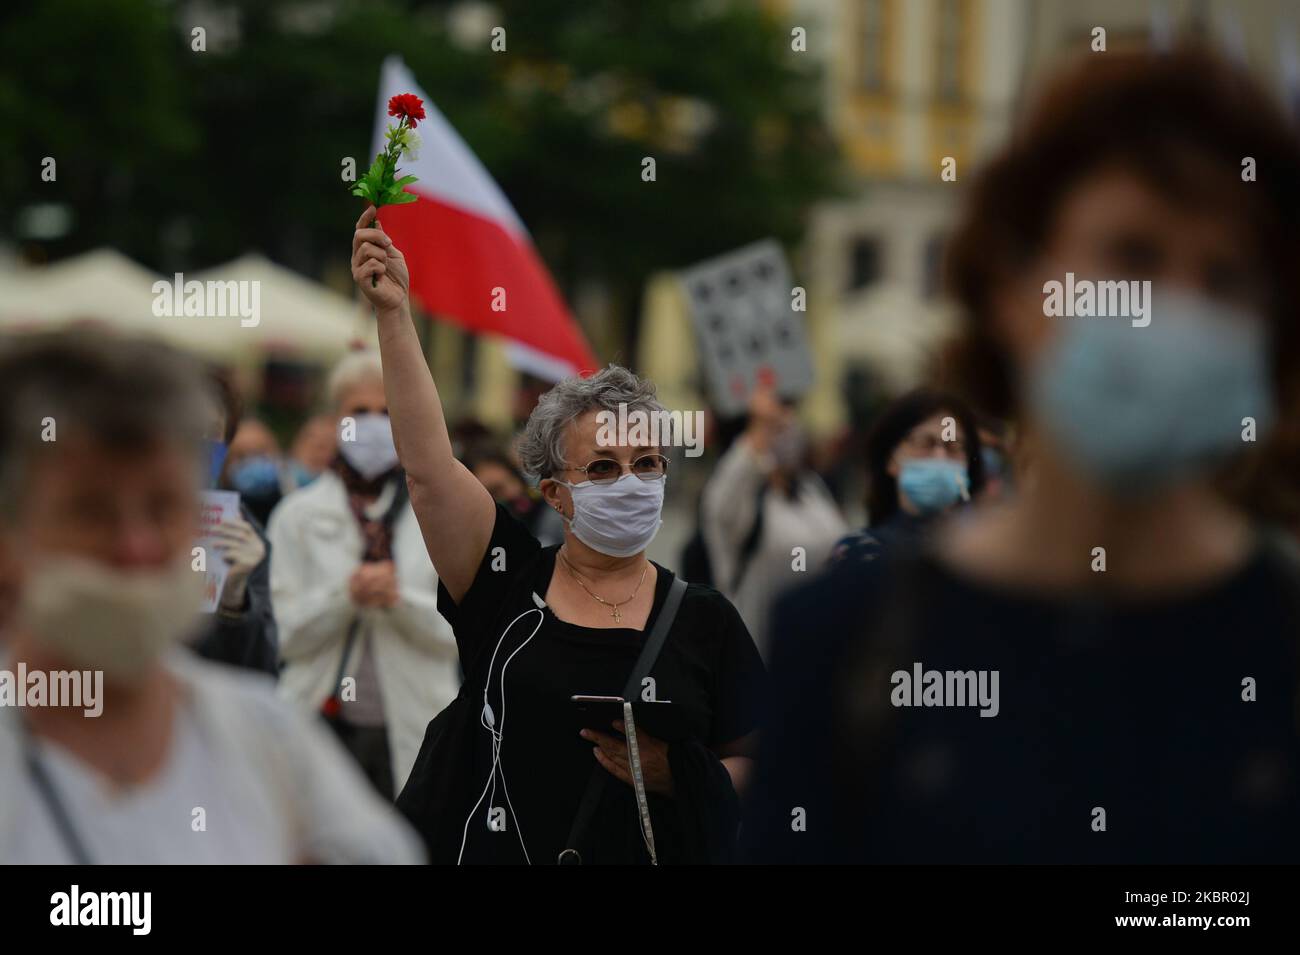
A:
[117,745]
[354,592]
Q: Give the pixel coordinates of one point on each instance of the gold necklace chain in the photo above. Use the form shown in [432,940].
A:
[614,611]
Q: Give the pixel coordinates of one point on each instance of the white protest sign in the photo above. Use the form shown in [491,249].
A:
[216,507]
[748,329]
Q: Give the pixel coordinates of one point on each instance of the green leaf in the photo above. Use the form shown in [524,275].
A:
[376,168]
[374,178]
[405,181]
[393,192]
[403,198]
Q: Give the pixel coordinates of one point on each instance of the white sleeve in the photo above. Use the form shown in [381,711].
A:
[310,614]
[417,619]
[342,819]
[728,508]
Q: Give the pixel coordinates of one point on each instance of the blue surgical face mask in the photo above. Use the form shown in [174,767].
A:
[302,475]
[1136,408]
[216,460]
[998,468]
[933,484]
[256,477]
[995,463]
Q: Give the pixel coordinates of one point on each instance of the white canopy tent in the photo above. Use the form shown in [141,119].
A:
[102,285]
[298,315]
[295,315]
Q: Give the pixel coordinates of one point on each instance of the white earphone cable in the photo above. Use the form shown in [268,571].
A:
[488,720]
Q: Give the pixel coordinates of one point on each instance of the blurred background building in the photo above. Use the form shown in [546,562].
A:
[905,84]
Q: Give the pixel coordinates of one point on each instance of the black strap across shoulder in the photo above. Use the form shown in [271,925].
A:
[57,809]
[644,663]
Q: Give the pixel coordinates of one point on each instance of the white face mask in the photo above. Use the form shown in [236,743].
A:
[99,618]
[618,519]
[371,452]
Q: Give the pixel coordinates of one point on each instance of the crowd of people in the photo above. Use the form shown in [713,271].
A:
[418,635]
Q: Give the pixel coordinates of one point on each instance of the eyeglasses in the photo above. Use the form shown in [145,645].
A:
[648,467]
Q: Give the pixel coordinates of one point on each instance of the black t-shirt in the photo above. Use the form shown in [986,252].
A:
[1136,709]
[708,666]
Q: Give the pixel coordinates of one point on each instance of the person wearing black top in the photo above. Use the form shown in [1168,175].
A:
[707,667]
[246,636]
[504,769]
[499,474]
[241,631]
[1103,668]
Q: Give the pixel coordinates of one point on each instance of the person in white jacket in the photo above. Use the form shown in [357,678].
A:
[117,744]
[761,502]
[355,594]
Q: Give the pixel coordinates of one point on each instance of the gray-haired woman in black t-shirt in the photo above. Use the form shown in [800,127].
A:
[505,770]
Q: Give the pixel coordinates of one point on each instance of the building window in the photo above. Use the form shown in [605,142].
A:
[871,44]
[864,262]
[950,52]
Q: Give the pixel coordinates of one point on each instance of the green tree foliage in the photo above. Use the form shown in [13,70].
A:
[184,158]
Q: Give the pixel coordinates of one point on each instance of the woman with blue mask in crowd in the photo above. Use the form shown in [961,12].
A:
[354,593]
[254,467]
[241,628]
[1102,668]
[515,771]
[924,460]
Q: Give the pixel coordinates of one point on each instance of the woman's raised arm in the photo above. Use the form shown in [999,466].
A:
[455,511]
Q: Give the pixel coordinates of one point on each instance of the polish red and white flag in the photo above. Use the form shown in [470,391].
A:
[471,259]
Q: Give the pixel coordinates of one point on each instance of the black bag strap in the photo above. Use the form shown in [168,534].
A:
[49,793]
[658,637]
[353,628]
[644,663]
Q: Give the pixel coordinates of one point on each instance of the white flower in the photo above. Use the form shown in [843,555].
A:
[410,144]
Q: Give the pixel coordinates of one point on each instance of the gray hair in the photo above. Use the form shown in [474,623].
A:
[122,392]
[541,446]
[352,370]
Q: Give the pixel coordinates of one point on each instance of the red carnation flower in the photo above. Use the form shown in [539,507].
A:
[408,105]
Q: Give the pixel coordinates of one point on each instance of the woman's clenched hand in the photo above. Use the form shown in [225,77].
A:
[611,753]
[374,255]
